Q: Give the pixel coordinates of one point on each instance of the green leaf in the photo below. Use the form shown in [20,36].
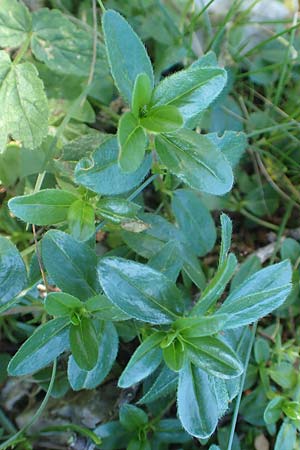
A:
[46,207]
[108,349]
[131,417]
[126,53]
[251,265]
[274,410]
[193,397]
[195,161]
[13,276]
[61,304]
[260,294]
[214,356]
[292,410]
[25,104]
[117,209]
[143,362]
[70,264]
[102,174]
[104,309]
[41,348]
[194,220]
[193,327]
[141,95]
[174,355]
[162,119]
[64,48]
[216,286]
[140,291]
[168,261]
[226,229]
[232,144]
[15,23]
[170,431]
[137,444]
[132,141]
[163,385]
[81,220]
[286,438]
[84,343]
[261,351]
[191,90]
[290,249]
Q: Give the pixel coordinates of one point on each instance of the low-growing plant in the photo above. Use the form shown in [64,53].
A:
[187,336]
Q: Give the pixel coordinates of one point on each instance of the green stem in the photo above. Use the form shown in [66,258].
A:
[261,222]
[34,418]
[23,49]
[285,219]
[6,423]
[101,6]
[239,398]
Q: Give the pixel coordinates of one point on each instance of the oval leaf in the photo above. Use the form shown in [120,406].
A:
[132,141]
[84,344]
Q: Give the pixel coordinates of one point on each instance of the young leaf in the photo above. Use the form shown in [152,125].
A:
[46,207]
[41,348]
[193,397]
[143,362]
[104,309]
[214,356]
[13,276]
[63,47]
[61,304]
[126,53]
[15,23]
[162,119]
[132,141]
[273,411]
[191,90]
[102,173]
[193,327]
[174,355]
[216,287]
[141,95]
[194,220]
[81,220]
[70,264]
[20,89]
[263,292]
[226,228]
[163,385]
[108,349]
[139,291]
[195,161]
[132,417]
[84,343]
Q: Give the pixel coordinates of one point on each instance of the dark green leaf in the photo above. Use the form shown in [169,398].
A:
[193,397]
[140,291]
[196,161]
[132,142]
[191,90]
[46,207]
[104,309]
[108,349]
[162,119]
[61,304]
[163,385]
[192,327]
[194,220]
[251,265]
[126,54]
[226,229]
[13,276]
[214,356]
[132,417]
[117,209]
[168,261]
[102,174]
[81,220]
[174,355]
[263,292]
[84,344]
[41,348]
[71,264]
[143,362]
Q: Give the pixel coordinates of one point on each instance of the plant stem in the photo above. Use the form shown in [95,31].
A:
[262,222]
[238,400]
